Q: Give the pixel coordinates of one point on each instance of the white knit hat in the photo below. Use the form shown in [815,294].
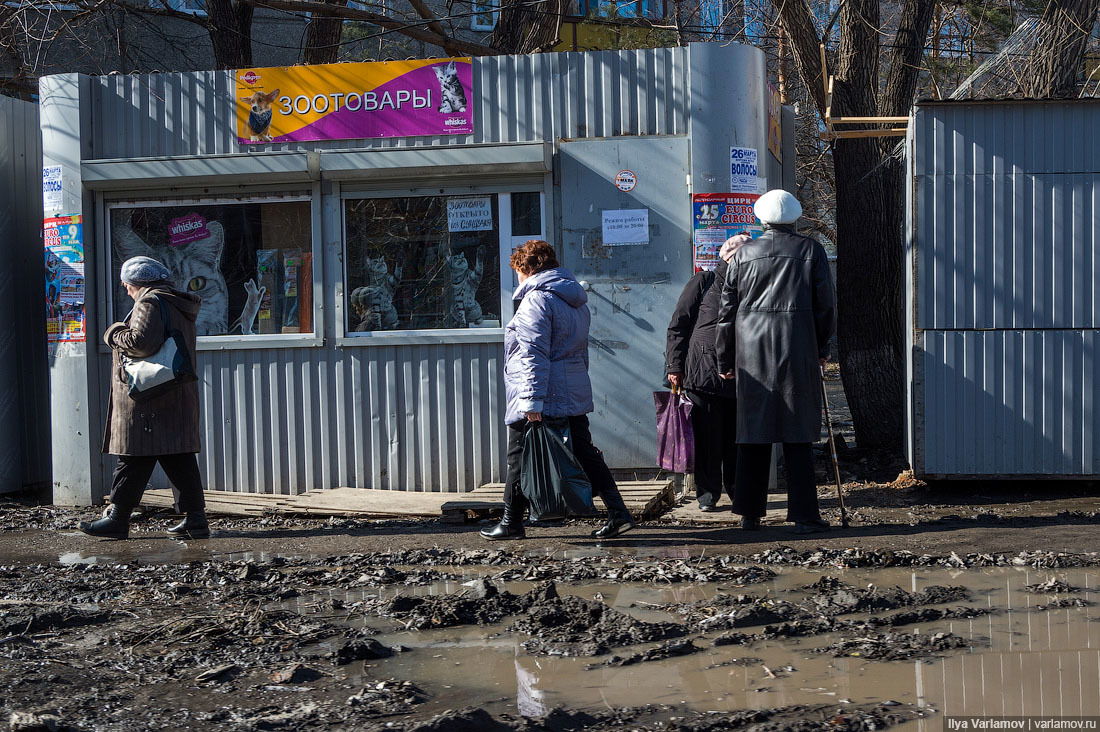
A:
[777,207]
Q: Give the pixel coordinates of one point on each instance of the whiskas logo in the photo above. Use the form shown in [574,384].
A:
[250,77]
[186,229]
[455,121]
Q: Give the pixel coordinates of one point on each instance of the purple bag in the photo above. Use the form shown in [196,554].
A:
[675,440]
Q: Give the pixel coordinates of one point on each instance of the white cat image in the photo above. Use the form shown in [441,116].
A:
[195,268]
[450,89]
[463,309]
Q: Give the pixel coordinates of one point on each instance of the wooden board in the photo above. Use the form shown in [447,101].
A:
[334,502]
[644,499]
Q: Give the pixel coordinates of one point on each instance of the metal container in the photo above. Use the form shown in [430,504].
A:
[1003,295]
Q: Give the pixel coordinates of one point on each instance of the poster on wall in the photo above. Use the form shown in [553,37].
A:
[63,237]
[716,217]
[355,101]
[250,263]
[52,193]
[743,170]
[623,227]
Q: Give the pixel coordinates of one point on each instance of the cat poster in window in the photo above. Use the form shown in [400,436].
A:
[243,260]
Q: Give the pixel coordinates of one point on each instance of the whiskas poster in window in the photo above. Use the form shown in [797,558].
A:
[355,101]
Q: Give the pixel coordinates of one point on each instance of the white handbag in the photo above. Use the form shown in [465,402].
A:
[170,367]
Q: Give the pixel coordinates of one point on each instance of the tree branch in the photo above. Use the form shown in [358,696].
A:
[798,24]
[414,30]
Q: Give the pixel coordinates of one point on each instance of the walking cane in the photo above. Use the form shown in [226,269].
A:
[832,451]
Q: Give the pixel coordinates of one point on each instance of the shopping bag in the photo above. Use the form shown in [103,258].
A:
[675,440]
[551,478]
[169,368]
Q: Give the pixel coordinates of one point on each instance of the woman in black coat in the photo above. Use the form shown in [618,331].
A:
[692,364]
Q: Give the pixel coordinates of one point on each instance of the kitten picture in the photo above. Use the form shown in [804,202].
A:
[463,309]
[260,114]
[376,298]
[195,268]
[450,88]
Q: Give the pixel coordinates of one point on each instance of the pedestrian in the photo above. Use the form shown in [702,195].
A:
[546,375]
[777,315]
[691,363]
[161,429]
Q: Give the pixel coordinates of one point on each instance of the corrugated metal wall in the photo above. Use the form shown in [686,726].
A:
[24,386]
[1005,289]
[533,98]
[409,417]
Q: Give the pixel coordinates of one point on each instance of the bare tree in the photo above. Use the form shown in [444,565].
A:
[323,37]
[230,25]
[869,197]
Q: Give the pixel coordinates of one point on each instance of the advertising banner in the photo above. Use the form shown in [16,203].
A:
[64,244]
[716,217]
[355,101]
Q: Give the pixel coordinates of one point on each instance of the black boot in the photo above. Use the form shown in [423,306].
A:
[619,520]
[115,524]
[193,526]
[511,526]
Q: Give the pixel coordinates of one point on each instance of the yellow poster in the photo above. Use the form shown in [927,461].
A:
[775,123]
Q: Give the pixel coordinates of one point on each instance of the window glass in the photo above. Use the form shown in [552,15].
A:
[527,214]
[251,263]
[484,16]
[422,263]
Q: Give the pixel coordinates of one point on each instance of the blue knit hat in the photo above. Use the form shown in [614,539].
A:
[144,271]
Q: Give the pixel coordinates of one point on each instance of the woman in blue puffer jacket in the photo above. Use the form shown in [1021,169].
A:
[546,374]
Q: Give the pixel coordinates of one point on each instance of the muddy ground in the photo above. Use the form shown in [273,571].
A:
[291,624]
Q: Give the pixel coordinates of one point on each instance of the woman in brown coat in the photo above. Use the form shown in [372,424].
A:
[163,428]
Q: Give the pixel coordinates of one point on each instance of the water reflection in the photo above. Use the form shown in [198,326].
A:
[1027,658]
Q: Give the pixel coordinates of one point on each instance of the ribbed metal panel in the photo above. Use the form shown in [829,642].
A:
[1020,402]
[24,384]
[1007,233]
[414,418]
[1004,298]
[534,98]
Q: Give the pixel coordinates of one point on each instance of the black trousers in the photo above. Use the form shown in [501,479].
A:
[750,499]
[714,425]
[133,471]
[588,455]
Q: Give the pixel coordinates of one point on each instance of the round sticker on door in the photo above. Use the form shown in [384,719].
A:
[625,180]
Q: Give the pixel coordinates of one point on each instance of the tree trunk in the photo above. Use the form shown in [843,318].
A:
[525,27]
[230,26]
[323,37]
[1053,69]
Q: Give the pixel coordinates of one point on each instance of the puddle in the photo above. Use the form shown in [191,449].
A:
[1005,641]
[1022,659]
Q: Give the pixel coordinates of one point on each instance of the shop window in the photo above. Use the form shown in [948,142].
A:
[422,263]
[484,16]
[250,262]
[527,215]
